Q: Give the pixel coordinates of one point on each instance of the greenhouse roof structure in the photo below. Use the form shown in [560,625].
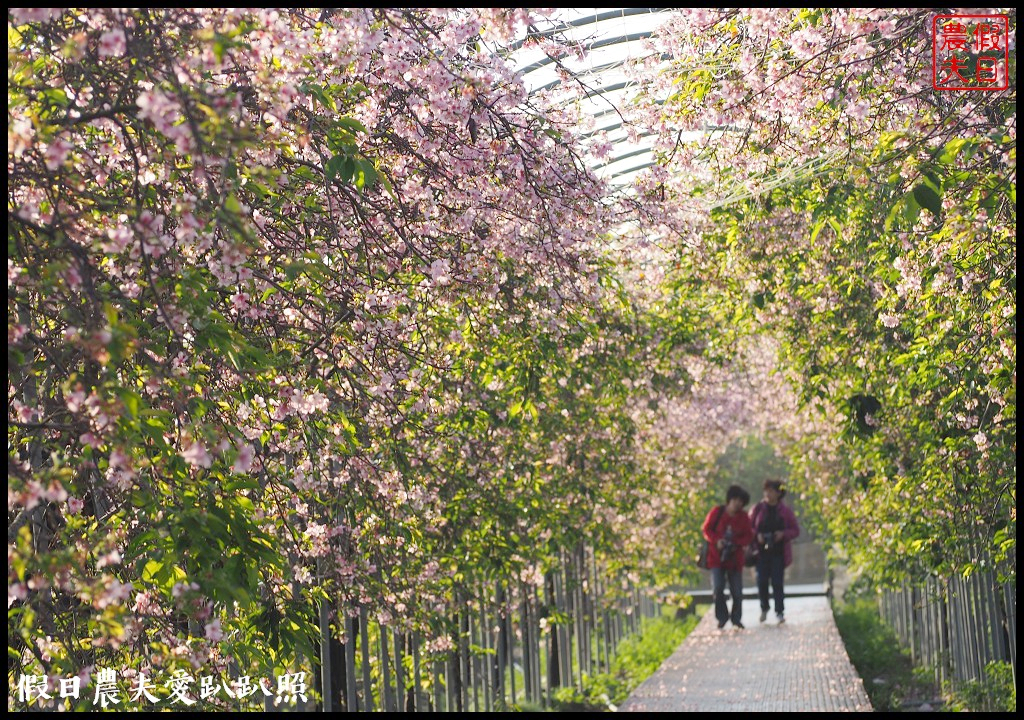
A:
[609,39]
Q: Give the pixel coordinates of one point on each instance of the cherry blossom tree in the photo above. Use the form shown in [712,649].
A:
[867,220]
[296,303]
[322,307]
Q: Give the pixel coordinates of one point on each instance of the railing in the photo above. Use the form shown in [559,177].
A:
[955,626]
[514,645]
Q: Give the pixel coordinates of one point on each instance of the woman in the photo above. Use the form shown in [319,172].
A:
[727,530]
[775,528]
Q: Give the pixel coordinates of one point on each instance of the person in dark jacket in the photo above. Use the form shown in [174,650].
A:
[727,530]
[775,527]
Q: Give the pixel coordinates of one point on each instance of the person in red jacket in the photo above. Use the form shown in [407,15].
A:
[727,530]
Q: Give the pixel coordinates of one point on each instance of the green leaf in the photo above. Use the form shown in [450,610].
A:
[817,230]
[932,180]
[911,208]
[348,168]
[387,186]
[928,198]
[365,174]
[834,224]
[132,402]
[531,408]
[951,150]
[151,570]
[233,357]
[352,124]
[893,212]
[334,166]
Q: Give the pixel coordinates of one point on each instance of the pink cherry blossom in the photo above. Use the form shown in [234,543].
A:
[195,454]
[112,43]
[889,320]
[27,15]
[213,631]
[243,463]
[57,153]
[440,272]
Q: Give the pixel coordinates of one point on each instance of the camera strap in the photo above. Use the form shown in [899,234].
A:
[721,511]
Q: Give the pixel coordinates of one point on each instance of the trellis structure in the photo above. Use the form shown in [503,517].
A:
[513,647]
[956,626]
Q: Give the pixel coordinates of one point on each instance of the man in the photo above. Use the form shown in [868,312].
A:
[727,530]
[776,527]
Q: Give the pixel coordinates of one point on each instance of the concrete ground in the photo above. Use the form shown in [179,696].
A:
[799,666]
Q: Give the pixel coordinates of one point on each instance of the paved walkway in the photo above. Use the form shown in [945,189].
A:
[801,666]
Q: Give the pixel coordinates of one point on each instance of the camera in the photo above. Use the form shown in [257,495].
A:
[769,540]
[728,546]
[727,549]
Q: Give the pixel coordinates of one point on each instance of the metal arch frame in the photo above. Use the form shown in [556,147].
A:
[610,42]
[582,21]
[597,83]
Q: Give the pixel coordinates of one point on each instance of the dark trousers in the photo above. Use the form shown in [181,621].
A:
[771,569]
[719,578]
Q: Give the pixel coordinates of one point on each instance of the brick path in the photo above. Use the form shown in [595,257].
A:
[801,666]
